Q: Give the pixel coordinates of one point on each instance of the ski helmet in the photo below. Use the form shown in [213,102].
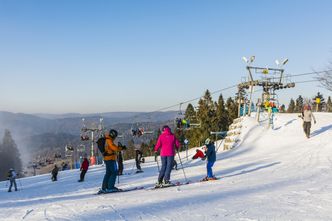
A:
[207,141]
[113,133]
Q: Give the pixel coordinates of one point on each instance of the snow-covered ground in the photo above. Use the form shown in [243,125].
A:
[273,174]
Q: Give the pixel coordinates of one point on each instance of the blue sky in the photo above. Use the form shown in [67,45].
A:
[100,56]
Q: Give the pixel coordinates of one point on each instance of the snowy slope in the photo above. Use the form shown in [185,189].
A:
[271,175]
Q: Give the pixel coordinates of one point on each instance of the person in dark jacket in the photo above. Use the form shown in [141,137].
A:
[55,173]
[120,163]
[210,155]
[12,178]
[84,168]
[167,142]
[138,159]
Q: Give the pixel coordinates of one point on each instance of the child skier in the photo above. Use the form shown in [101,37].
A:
[210,155]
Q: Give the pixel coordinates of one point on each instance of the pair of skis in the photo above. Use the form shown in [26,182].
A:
[177,184]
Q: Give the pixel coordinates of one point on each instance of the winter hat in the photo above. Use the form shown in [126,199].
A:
[207,141]
[164,127]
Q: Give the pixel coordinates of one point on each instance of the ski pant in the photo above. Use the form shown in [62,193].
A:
[166,168]
[83,172]
[12,181]
[138,159]
[306,128]
[209,166]
[54,176]
[110,175]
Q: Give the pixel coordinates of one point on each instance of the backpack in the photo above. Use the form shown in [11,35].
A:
[101,144]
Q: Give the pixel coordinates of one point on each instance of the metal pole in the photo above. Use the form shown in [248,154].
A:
[92,152]
[239,108]
[251,90]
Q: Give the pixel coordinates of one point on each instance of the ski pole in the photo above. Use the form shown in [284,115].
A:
[185,177]
[219,146]
[132,169]
[19,181]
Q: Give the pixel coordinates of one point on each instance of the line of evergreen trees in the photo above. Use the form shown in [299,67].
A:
[210,115]
[297,105]
[9,156]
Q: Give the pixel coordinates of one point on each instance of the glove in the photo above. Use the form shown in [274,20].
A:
[124,147]
[156,153]
[204,158]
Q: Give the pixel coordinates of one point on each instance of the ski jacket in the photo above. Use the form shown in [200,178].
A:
[308,115]
[12,175]
[85,164]
[211,152]
[110,149]
[167,142]
[55,170]
[199,154]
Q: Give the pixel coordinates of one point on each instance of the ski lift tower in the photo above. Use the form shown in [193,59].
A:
[271,79]
[90,133]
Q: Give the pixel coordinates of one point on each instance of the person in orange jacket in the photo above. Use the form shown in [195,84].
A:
[110,159]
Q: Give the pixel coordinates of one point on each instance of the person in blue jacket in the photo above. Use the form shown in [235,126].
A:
[210,155]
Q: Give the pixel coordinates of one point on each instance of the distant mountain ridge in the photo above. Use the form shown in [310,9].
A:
[44,132]
[33,124]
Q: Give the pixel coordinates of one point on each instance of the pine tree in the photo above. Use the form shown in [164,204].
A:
[232,109]
[10,156]
[298,104]
[221,114]
[329,105]
[190,134]
[291,106]
[206,114]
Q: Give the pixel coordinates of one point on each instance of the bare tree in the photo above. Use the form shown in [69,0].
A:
[325,78]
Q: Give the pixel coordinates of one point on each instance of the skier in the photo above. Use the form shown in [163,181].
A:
[167,142]
[55,172]
[307,116]
[12,178]
[84,168]
[210,155]
[138,159]
[198,154]
[120,162]
[110,162]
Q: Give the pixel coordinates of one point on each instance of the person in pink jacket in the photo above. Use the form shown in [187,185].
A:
[167,142]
